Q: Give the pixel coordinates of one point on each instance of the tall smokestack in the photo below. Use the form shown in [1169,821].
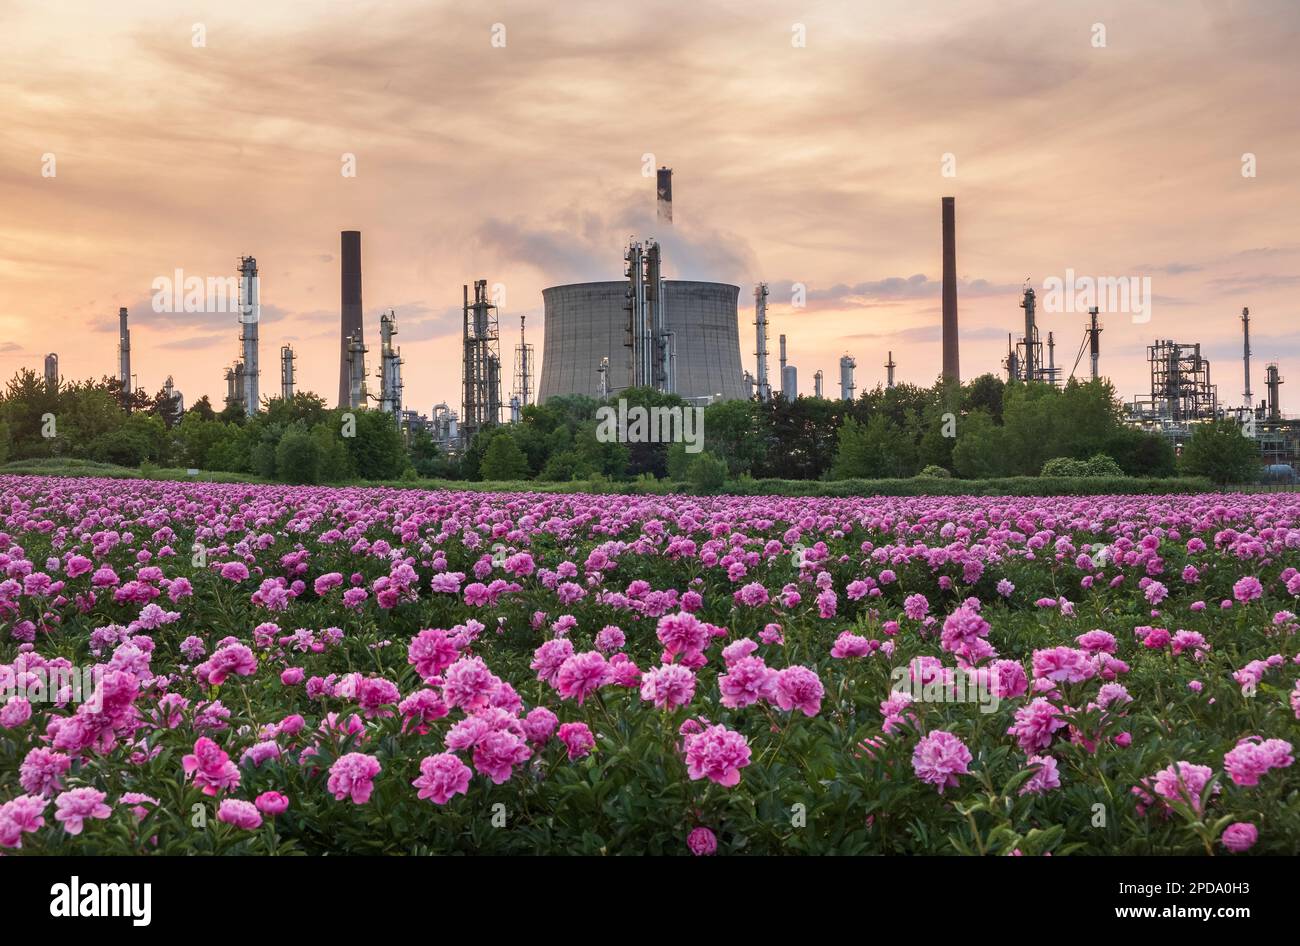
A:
[286,372]
[1094,340]
[1245,356]
[760,331]
[951,366]
[250,314]
[889,371]
[664,191]
[350,309]
[1272,382]
[124,357]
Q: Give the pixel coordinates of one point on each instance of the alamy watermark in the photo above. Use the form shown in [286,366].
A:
[55,685]
[637,424]
[948,685]
[1130,295]
[181,293]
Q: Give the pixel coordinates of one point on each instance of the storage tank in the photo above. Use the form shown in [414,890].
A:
[587,322]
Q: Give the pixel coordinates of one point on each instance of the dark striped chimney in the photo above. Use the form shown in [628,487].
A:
[951,366]
[350,309]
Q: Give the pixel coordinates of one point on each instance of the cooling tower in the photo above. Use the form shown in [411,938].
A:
[349,309]
[586,322]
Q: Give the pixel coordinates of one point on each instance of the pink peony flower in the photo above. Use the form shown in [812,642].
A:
[78,804]
[1239,836]
[577,739]
[241,814]
[939,758]
[272,803]
[352,776]
[210,767]
[702,842]
[799,688]
[441,777]
[718,754]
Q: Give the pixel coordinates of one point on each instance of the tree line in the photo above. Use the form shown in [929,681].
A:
[983,428]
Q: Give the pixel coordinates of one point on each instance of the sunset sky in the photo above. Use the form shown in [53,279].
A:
[819,164]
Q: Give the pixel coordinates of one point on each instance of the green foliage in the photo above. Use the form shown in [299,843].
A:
[1220,452]
[935,472]
[878,449]
[377,450]
[503,460]
[297,457]
[1097,465]
[707,473]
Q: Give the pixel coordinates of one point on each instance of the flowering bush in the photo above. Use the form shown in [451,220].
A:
[307,670]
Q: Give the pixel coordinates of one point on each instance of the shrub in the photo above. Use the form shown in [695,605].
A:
[935,472]
[297,458]
[707,473]
[1221,452]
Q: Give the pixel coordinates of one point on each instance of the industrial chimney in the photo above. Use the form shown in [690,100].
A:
[889,371]
[51,369]
[1272,382]
[847,387]
[951,367]
[1245,356]
[124,358]
[350,309]
[817,383]
[250,314]
[286,372]
[760,331]
[664,191]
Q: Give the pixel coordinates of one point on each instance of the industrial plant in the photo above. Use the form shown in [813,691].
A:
[681,337]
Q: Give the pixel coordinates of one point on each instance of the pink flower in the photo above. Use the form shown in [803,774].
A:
[702,842]
[468,682]
[19,816]
[799,688]
[1063,664]
[352,776]
[241,814]
[441,777]
[718,754]
[496,754]
[1182,782]
[210,767]
[539,724]
[431,651]
[577,738]
[15,713]
[849,645]
[582,675]
[1045,777]
[668,686]
[1252,758]
[1035,724]
[1247,589]
[1239,836]
[42,770]
[747,681]
[550,657]
[272,803]
[233,658]
[939,758]
[77,804]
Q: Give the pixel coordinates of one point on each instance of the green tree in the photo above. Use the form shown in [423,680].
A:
[503,460]
[1219,450]
[980,448]
[297,457]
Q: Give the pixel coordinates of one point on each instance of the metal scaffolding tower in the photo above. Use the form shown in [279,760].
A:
[481,377]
